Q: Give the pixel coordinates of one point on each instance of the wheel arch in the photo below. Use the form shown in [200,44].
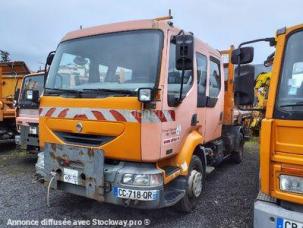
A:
[191,143]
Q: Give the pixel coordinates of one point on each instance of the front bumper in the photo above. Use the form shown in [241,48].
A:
[101,179]
[268,214]
[25,139]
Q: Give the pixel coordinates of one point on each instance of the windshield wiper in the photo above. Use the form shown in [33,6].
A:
[63,91]
[127,92]
[297,104]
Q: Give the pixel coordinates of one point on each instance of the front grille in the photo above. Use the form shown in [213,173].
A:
[83,139]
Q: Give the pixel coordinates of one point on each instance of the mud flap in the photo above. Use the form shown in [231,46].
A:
[87,161]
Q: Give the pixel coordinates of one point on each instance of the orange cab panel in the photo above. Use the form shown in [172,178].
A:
[116,130]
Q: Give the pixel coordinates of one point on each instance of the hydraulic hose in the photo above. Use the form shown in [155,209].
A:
[49,186]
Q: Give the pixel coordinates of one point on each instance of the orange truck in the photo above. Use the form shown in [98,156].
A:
[11,75]
[280,201]
[133,114]
[27,112]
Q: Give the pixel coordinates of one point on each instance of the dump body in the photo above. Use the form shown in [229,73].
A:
[90,107]
[27,113]
[280,201]
[11,74]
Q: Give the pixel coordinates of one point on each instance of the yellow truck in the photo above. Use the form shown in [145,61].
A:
[280,201]
[133,114]
[11,75]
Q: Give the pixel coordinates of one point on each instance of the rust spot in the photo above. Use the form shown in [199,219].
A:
[53,147]
[52,154]
[90,152]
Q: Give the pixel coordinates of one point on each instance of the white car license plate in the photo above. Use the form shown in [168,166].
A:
[70,176]
[136,194]
[285,223]
[33,130]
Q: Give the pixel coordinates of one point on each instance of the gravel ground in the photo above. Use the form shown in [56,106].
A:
[227,201]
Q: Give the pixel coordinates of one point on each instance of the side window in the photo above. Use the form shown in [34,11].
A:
[215,78]
[201,79]
[174,77]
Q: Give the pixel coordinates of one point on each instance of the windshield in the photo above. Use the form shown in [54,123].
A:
[35,82]
[117,61]
[290,93]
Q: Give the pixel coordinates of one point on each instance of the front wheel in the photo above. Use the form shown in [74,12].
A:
[237,156]
[195,185]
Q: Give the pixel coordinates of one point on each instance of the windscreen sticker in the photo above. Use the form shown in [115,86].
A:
[292,91]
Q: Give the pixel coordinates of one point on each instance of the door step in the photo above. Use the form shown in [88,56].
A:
[171,172]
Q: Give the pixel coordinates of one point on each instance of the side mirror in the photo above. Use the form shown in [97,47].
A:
[184,52]
[244,85]
[50,58]
[145,95]
[245,55]
[33,95]
[49,61]
[16,98]
[16,95]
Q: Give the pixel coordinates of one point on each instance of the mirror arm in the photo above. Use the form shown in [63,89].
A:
[272,42]
[182,80]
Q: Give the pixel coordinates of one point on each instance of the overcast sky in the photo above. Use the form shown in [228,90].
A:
[30,29]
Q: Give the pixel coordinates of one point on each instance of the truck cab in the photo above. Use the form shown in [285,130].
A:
[27,112]
[281,161]
[280,201]
[132,114]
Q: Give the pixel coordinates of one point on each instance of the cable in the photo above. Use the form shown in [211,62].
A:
[48,188]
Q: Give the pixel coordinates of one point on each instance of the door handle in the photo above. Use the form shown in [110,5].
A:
[194,120]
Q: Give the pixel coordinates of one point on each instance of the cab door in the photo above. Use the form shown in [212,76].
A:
[201,90]
[214,100]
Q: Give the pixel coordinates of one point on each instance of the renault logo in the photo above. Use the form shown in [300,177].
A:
[79,127]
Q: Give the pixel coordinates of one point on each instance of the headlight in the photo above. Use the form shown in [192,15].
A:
[145,94]
[291,184]
[127,179]
[142,179]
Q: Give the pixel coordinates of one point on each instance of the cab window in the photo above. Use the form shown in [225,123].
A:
[215,78]
[201,79]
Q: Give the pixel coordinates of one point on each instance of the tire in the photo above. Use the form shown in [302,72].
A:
[237,156]
[195,175]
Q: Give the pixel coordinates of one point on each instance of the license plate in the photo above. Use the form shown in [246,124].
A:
[285,223]
[70,176]
[136,194]
[33,130]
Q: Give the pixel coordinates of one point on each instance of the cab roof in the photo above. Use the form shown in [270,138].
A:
[116,27]
[129,26]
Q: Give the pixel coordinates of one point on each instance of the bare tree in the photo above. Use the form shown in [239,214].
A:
[4,55]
